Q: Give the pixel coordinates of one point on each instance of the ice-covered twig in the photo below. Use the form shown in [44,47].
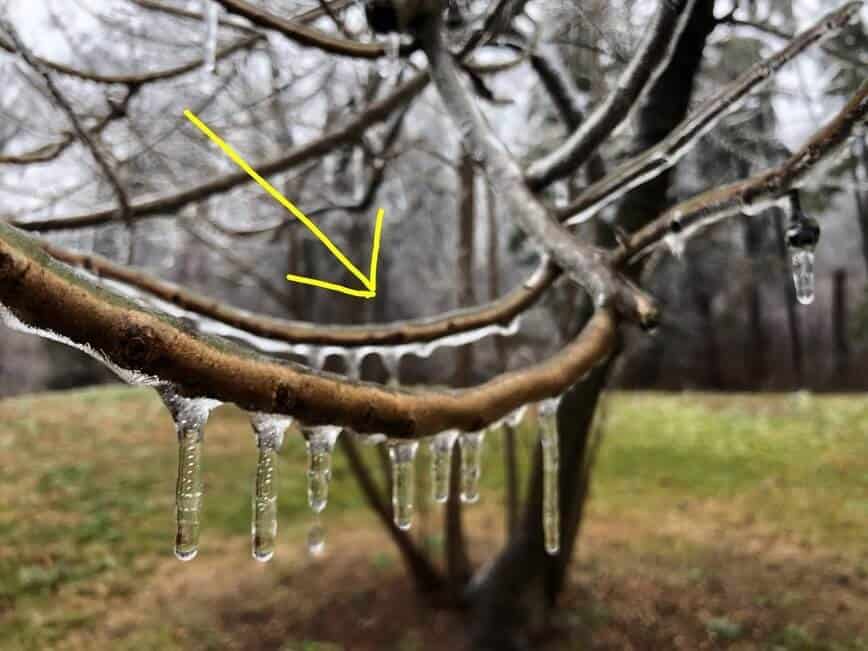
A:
[754,194]
[651,57]
[587,265]
[671,149]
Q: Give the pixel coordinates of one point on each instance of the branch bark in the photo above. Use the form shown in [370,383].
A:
[46,297]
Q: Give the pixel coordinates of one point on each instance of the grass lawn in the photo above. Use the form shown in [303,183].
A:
[717,521]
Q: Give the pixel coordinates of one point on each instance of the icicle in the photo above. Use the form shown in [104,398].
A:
[515,418]
[391,358]
[803,274]
[320,444]
[802,237]
[212,16]
[675,244]
[389,65]
[403,455]
[268,430]
[190,416]
[316,538]
[471,457]
[551,499]
[441,464]
[353,361]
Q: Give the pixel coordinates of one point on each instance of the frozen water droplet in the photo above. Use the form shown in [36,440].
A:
[320,442]
[269,431]
[212,18]
[190,416]
[316,539]
[389,65]
[803,274]
[471,459]
[676,245]
[441,464]
[402,455]
[551,499]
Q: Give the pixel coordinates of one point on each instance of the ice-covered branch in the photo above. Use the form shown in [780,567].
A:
[671,149]
[585,264]
[652,55]
[754,194]
[43,296]
[168,203]
[302,34]
[83,134]
[139,78]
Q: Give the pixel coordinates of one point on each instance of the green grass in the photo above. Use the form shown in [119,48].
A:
[88,481]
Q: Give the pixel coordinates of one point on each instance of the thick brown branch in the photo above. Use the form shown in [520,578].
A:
[45,296]
[755,193]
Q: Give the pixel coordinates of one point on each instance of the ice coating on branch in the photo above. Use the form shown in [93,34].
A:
[212,17]
[471,461]
[391,358]
[268,430]
[189,416]
[551,499]
[441,464]
[130,376]
[389,65]
[320,442]
[402,454]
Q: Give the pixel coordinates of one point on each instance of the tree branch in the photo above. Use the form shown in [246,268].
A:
[651,57]
[48,298]
[754,194]
[671,149]
[585,264]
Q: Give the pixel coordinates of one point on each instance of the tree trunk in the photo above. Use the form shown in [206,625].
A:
[523,581]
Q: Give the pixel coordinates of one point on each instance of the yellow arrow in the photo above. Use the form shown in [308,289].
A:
[369,281]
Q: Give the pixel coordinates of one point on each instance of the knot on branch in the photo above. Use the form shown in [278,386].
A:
[138,346]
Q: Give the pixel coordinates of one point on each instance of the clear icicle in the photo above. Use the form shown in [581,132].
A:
[316,538]
[268,430]
[389,65]
[190,416]
[551,499]
[320,444]
[675,244]
[471,458]
[803,274]
[212,17]
[403,455]
[441,464]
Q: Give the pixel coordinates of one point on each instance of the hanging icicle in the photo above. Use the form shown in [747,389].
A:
[402,454]
[320,442]
[441,464]
[211,11]
[268,430]
[548,431]
[389,65]
[190,416]
[802,237]
[471,459]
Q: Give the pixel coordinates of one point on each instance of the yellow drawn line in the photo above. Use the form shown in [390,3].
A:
[370,281]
